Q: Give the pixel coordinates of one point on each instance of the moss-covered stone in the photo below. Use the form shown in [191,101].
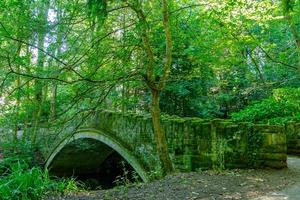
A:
[196,143]
[292,130]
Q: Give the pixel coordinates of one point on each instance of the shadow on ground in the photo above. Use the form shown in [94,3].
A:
[209,185]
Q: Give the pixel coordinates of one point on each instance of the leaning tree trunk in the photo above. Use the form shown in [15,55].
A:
[159,134]
[150,78]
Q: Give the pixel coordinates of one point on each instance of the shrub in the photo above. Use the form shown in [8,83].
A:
[18,181]
[281,107]
[23,178]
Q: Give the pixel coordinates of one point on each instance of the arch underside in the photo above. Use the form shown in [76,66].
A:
[85,150]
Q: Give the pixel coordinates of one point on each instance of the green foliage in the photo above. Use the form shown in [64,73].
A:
[288,5]
[22,176]
[255,141]
[223,54]
[97,10]
[16,151]
[281,107]
[22,182]
[218,154]
[124,178]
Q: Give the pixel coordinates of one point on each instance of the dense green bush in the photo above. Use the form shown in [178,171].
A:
[281,107]
[21,182]
[21,177]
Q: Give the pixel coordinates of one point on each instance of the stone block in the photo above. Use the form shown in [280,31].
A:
[270,139]
[274,156]
[262,128]
[280,148]
[275,164]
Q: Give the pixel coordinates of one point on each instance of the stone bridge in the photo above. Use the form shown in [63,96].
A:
[194,144]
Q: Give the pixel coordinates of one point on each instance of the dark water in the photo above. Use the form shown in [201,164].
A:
[112,172]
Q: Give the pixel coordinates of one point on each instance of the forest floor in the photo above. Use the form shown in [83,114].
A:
[209,185]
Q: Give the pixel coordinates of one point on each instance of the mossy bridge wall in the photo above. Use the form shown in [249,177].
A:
[194,144]
[293,138]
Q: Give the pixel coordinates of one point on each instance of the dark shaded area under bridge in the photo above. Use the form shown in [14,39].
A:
[93,163]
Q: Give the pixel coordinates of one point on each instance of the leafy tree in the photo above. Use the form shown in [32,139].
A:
[281,107]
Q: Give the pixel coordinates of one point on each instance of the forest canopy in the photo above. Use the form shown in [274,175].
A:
[61,60]
[65,58]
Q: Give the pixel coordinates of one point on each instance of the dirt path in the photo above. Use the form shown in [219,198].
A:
[292,191]
[209,185]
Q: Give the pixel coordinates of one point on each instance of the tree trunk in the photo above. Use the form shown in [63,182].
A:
[150,78]
[296,39]
[295,34]
[39,85]
[18,96]
[53,102]
[159,134]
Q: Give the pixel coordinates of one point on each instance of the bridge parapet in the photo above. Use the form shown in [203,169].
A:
[201,144]
[194,143]
[293,137]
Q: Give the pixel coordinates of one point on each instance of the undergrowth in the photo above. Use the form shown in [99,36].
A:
[282,107]
[23,178]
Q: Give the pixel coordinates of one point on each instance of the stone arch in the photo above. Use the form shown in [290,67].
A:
[105,139]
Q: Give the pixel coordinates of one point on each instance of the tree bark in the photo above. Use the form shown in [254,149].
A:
[53,102]
[160,137]
[293,28]
[156,82]
[39,86]
[18,99]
